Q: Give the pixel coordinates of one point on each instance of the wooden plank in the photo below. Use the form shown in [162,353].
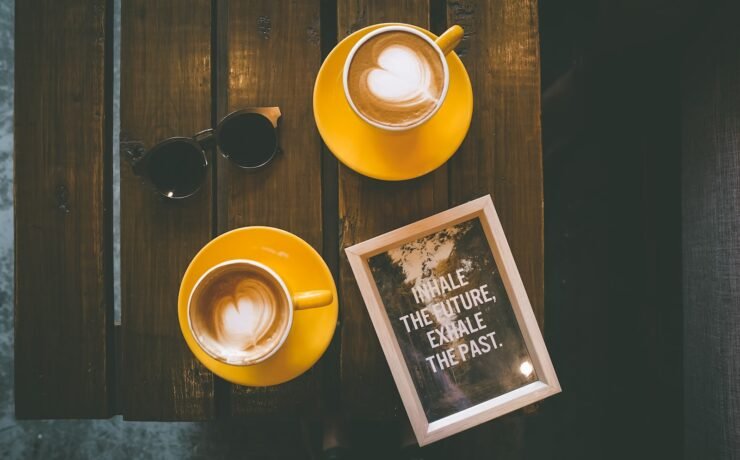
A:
[165,91]
[367,208]
[273,53]
[502,153]
[63,262]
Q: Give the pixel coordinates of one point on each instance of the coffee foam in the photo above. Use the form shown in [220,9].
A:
[239,315]
[402,78]
[396,78]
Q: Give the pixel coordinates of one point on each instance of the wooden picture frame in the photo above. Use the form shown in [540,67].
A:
[421,410]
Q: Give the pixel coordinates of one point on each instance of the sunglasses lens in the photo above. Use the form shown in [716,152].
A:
[177,168]
[248,139]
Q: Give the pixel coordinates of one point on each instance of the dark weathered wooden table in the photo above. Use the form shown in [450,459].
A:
[183,66]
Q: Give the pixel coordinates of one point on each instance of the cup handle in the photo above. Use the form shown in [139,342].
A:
[450,39]
[312,299]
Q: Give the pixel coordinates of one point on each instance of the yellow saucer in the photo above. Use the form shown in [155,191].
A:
[302,269]
[382,154]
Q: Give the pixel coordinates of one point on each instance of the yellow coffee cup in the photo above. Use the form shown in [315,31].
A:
[396,77]
[240,311]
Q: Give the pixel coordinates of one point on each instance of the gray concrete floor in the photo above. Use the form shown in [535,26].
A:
[111,438]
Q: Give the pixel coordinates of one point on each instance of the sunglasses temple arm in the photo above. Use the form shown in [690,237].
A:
[135,154]
[274,114]
[205,138]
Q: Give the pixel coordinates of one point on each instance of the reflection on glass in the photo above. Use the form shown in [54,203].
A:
[526,368]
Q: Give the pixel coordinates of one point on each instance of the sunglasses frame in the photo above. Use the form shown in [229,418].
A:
[204,140]
[272,114]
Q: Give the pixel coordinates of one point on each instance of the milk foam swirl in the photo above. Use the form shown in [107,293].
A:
[396,78]
[239,315]
[402,77]
[243,318]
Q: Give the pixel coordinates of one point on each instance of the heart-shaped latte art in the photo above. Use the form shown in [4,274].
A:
[395,79]
[243,318]
[401,76]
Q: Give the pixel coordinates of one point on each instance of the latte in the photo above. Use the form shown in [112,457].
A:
[239,314]
[396,79]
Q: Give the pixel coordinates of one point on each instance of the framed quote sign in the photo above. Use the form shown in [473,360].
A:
[454,320]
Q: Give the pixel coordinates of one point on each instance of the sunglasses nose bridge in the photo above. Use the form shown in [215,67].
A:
[205,138]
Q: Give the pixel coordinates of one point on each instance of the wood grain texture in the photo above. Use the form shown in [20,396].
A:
[502,154]
[710,97]
[165,91]
[63,255]
[367,208]
[273,53]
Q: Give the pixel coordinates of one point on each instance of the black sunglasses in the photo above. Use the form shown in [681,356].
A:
[176,167]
